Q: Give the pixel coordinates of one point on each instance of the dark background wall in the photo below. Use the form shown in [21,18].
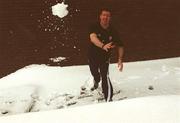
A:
[30,34]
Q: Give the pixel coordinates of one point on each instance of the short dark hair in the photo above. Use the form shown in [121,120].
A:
[105,9]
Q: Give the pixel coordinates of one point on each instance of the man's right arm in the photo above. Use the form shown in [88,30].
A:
[94,39]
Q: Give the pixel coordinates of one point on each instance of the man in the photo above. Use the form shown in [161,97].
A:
[103,38]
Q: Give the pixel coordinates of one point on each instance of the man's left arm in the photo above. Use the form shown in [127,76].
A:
[120,47]
[120,57]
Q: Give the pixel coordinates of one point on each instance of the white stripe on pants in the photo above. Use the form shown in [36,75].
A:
[109,88]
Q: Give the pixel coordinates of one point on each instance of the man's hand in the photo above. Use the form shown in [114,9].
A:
[108,46]
[120,65]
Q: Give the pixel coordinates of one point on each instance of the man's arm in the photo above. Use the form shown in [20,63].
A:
[94,39]
[120,52]
[120,58]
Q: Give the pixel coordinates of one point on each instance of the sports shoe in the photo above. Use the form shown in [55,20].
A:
[109,100]
[95,86]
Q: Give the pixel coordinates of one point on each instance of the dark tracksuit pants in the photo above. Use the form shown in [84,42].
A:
[100,70]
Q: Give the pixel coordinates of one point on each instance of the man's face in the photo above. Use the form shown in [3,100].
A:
[105,17]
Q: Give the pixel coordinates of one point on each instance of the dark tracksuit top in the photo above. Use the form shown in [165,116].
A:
[99,58]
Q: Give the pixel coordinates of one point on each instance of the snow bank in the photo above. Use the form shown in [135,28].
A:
[156,109]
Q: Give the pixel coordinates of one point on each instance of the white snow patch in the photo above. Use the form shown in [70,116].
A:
[17,99]
[58,59]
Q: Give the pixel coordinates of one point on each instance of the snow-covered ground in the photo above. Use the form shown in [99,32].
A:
[156,109]
[39,87]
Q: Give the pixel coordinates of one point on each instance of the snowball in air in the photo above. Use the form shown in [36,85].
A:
[60,10]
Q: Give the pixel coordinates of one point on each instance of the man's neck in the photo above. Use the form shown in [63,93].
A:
[104,26]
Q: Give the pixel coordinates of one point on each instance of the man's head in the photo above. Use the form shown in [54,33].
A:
[105,16]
